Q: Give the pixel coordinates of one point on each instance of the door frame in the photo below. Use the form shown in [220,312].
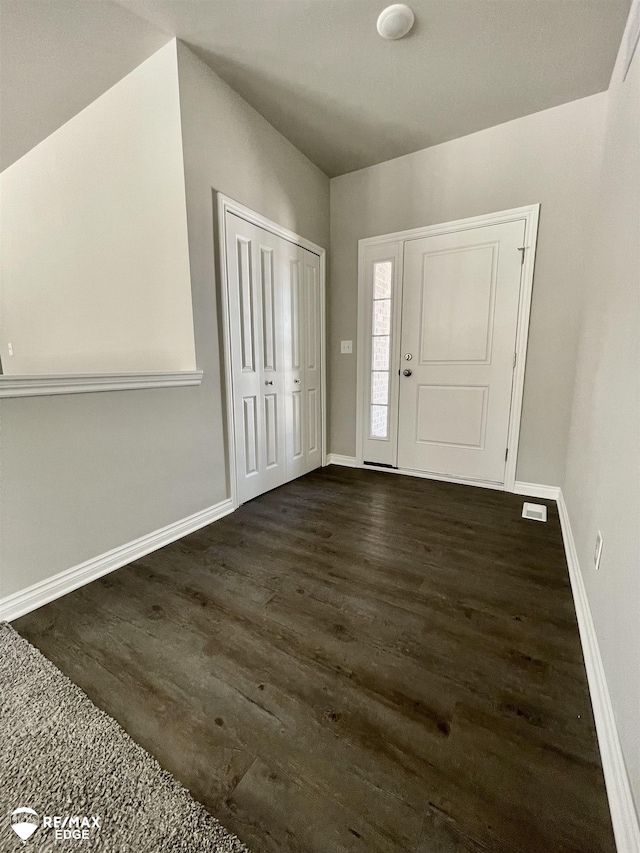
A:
[225,205]
[530,214]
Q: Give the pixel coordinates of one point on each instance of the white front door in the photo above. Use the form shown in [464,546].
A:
[459,319]
[274,317]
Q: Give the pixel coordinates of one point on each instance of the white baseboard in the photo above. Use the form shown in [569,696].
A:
[537,490]
[345,461]
[533,490]
[427,475]
[47,590]
[624,817]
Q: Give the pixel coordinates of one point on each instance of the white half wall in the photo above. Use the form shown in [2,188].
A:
[95,259]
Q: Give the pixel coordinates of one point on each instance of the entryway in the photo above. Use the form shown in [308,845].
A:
[273,295]
[443,319]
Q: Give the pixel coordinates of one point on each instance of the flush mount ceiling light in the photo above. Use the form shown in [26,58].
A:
[395,21]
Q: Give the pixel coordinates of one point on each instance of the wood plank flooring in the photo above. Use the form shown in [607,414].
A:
[356,662]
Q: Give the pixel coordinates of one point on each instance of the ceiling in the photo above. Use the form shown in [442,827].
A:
[318,71]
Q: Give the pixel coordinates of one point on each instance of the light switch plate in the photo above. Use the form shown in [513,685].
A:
[346,347]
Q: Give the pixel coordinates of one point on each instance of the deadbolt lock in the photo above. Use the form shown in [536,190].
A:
[408,356]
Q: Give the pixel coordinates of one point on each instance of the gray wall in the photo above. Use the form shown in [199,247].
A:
[602,486]
[551,157]
[85,473]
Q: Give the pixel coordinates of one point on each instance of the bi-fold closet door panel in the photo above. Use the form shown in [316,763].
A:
[274,317]
[303,359]
[313,365]
[257,356]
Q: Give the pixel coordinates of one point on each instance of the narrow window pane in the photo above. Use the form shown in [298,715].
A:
[382,272]
[380,353]
[380,348]
[379,421]
[382,317]
[380,387]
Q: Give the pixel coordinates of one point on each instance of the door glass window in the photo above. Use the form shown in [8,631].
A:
[380,348]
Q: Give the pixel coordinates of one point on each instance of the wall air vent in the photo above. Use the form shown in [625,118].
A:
[536,512]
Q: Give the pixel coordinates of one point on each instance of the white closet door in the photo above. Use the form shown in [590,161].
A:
[255,263]
[275,324]
[295,360]
[459,318]
[311,380]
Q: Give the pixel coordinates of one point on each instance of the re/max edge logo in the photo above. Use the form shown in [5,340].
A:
[25,821]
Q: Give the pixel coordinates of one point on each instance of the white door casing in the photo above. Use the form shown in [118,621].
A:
[459,322]
[273,313]
[425,448]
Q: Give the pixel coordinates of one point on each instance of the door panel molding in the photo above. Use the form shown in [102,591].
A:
[393,244]
[430,305]
[446,394]
[250,431]
[268,310]
[222,206]
[243,247]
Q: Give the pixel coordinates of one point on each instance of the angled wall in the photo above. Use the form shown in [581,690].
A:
[95,261]
[56,58]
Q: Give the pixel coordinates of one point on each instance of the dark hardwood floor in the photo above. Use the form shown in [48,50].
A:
[356,661]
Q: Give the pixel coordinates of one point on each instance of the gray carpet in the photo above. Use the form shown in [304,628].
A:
[60,756]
